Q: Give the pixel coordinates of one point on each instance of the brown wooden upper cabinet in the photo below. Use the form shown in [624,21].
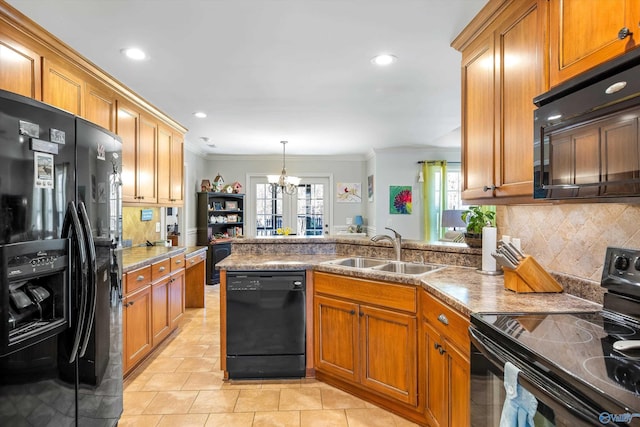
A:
[100,106]
[20,69]
[62,87]
[139,147]
[502,71]
[170,166]
[583,34]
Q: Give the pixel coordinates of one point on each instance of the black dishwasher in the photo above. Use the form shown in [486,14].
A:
[266,324]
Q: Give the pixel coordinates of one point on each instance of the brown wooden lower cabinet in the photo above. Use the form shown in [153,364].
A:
[136,321]
[152,308]
[195,277]
[371,341]
[366,340]
[444,349]
[176,297]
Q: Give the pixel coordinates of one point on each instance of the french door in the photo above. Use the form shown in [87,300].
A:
[304,213]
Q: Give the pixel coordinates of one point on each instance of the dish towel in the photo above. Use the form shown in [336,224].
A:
[520,405]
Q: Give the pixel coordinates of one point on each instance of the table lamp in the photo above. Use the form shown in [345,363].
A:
[358,222]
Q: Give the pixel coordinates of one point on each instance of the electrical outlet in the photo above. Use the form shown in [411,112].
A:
[157,227]
[349,220]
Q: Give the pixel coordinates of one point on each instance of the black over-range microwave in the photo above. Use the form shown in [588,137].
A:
[586,135]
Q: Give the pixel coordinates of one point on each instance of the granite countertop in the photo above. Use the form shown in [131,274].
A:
[136,257]
[193,250]
[461,287]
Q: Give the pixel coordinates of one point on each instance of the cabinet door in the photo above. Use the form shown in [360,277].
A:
[177,166]
[388,344]
[100,106]
[147,150]
[459,386]
[336,337]
[478,119]
[519,78]
[165,141]
[62,88]
[176,298]
[436,373]
[19,69]
[195,276]
[137,327]
[170,165]
[583,34]
[161,326]
[127,125]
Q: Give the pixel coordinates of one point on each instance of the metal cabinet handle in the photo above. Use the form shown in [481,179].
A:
[438,347]
[489,187]
[178,261]
[140,278]
[161,269]
[129,303]
[352,312]
[624,33]
[443,319]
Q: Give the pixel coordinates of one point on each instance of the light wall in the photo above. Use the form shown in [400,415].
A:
[400,167]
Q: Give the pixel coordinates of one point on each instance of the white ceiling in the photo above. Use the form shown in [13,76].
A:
[272,70]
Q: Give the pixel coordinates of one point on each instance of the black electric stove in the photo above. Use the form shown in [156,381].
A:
[575,354]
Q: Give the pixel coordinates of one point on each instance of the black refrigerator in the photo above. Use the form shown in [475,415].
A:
[60,268]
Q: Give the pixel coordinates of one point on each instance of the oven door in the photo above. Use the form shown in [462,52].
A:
[557,405]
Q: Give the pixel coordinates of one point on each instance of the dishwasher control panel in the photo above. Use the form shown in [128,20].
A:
[266,281]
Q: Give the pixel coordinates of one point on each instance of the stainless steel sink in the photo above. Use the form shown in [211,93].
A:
[359,262]
[408,268]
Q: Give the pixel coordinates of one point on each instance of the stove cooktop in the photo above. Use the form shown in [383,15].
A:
[576,349]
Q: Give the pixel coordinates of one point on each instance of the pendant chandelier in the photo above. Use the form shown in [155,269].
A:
[287,184]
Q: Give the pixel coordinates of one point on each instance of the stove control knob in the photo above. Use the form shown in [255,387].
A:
[637,264]
[621,263]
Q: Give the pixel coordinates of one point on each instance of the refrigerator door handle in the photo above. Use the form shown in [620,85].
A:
[91,277]
[71,227]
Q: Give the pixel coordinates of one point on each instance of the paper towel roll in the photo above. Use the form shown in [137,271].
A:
[489,239]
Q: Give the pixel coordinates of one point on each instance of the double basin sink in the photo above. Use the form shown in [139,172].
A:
[400,267]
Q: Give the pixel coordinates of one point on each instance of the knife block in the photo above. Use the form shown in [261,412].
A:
[529,276]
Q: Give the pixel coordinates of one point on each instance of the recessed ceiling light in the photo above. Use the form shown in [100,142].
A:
[384,59]
[200,114]
[134,53]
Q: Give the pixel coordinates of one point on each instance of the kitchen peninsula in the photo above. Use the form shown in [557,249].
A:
[390,338]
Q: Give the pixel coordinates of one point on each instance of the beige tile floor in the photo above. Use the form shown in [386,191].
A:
[182,386]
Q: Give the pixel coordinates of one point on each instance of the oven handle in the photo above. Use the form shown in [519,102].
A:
[558,396]
[72,224]
[91,286]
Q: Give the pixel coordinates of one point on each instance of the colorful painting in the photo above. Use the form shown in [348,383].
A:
[349,192]
[370,187]
[400,199]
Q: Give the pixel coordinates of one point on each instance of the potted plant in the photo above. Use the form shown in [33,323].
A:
[477,217]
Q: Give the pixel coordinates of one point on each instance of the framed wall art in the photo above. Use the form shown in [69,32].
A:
[349,192]
[400,199]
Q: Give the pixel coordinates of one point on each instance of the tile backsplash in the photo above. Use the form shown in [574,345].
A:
[136,230]
[571,238]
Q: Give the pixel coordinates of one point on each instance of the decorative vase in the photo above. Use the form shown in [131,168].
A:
[473,240]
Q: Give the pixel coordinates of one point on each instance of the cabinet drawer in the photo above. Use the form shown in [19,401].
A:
[448,322]
[389,295]
[137,279]
[160,269]
[194,259]
[177,262]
